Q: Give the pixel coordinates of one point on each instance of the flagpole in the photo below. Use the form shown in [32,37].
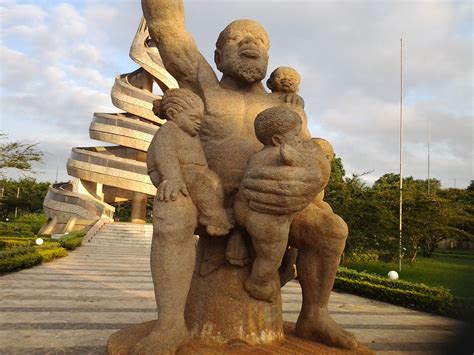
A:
[429,142]
[401,159]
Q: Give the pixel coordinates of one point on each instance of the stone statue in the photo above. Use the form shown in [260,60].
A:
[278,129]
[286,81]
[198,293]
[177,164]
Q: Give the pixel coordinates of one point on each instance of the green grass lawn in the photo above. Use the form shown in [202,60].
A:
[456,274]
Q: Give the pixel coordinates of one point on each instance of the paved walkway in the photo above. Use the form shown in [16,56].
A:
[72,305]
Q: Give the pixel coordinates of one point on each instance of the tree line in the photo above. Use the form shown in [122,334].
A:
[430,215]
[372,213]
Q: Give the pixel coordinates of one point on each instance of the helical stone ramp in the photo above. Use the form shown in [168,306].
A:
[108,174]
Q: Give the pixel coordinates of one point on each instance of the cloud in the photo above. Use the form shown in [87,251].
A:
[59,61]
[11,13]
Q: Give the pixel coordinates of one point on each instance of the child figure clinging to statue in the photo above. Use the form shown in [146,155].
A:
[177,164]
[278,128]
[286,81]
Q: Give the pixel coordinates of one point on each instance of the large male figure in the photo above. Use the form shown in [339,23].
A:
[231,106]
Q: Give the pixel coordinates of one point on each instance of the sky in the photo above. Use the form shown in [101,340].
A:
[58,61]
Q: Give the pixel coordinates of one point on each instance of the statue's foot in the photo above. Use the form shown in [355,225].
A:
[236,251]
[216,231]
[218,224]
[264,291]
[321,327]
[162,341]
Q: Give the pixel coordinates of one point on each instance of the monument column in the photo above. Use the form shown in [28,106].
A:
[139,199]
[139,208]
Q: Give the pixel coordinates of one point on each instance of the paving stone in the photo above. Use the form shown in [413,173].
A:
[72,305]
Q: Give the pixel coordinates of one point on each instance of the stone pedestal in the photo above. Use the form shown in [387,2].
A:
[223,319]
[121,342]
[219,310]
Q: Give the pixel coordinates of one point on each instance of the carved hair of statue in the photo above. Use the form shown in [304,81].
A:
[275,120]
[285,73]
[241,25]
[177,99]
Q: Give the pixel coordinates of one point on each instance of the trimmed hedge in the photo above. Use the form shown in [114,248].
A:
[15,229]
[398,284]
[27,257]
[72,240]
[9,253]
[12,242]
[418,296]
[51,254]
[20,262]
[18,249]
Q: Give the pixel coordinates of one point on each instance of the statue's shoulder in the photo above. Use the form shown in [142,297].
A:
[167,135]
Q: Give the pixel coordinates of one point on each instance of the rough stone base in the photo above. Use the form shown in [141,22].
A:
[220,310]
[121,343]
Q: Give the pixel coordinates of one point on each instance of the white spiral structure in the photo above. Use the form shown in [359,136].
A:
[108,174]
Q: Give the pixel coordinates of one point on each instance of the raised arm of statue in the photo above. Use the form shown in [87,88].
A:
[180,55]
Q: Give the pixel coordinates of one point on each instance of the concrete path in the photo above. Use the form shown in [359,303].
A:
[72,305]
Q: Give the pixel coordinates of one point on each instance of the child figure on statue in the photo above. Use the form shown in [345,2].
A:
[286,81]
[278,129]
[177,164]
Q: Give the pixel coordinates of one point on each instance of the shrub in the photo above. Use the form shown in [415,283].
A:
[399,284]
[51,254]
[419,296]
[363,256]
[20,262]
[22,258]
[72,240]
[32,221]
[9,253]
[12,242]
[50,245]
[15,230]
[21,253]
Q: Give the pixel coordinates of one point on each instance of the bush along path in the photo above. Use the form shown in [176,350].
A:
[18,252]
[438,300]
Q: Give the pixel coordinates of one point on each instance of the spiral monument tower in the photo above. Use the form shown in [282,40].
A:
[108,174]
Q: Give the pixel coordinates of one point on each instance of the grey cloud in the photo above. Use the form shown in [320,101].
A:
[347,53]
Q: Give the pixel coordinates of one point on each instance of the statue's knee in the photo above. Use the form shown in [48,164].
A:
[177,236]
[319,230]
[338,228]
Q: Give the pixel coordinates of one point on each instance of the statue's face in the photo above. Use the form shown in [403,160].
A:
[189,120]
[244,52]
[286,80]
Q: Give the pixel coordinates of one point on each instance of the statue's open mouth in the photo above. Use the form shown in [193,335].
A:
[286,84]
[250,53]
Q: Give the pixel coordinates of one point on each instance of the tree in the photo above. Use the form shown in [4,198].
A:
[371,223]
[334,192]
[428,219]
[471,186]
[30,200]
[17,155]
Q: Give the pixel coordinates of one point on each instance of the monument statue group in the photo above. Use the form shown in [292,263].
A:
[234,164]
